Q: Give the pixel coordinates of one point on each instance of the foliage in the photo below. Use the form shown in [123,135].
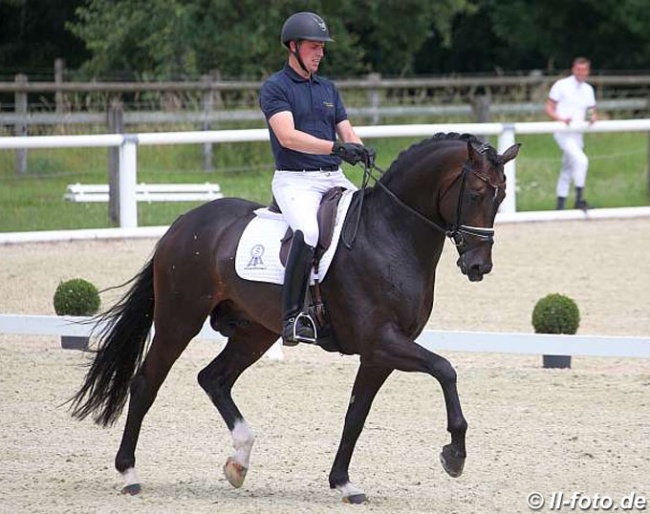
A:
[175,38]
[33,34]
[167,39]
[615,34]
[76,297]
[556,314]
[391,32]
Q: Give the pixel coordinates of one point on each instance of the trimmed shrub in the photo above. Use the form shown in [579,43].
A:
[76,297]
[556,314]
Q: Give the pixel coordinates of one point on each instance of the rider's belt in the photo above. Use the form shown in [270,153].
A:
[333,167]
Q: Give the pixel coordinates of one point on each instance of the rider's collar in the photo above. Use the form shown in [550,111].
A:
[296,77]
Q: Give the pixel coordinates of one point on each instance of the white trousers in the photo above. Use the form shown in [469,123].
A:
[574,162]
[298,194]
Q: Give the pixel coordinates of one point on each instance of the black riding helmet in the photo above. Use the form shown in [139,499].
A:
[304,25]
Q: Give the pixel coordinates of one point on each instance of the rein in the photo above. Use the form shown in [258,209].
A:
[456,232]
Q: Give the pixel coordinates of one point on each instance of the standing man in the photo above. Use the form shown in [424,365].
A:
[572,100]
[305,114]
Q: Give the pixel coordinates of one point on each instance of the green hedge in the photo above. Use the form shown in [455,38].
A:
[556,314]
[76,297]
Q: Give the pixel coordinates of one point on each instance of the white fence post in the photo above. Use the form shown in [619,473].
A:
[506,140]
[128,181]
[128,146]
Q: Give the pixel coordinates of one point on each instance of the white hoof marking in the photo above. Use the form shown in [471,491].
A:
[130,478]
[348,490]
[242,440]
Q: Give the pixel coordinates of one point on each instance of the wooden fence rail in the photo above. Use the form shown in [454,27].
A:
[372,81]
[477,98]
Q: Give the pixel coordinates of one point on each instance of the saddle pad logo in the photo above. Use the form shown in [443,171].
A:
[257,257]
[256,261]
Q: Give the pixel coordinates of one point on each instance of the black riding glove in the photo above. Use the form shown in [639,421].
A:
[351,153]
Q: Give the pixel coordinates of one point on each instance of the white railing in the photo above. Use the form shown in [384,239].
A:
[128,146]
[434,340]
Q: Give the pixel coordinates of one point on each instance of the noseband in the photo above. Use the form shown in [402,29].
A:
[456,232]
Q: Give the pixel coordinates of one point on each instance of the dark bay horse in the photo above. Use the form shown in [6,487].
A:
[379,295]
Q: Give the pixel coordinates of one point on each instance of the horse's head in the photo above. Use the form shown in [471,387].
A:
[470,203]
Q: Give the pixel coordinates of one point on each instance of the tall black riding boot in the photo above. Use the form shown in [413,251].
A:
[297,327]
[561,200]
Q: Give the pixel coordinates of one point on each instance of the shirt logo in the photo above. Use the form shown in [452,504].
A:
[328,104]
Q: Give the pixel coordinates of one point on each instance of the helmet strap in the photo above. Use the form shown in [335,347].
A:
[296,54]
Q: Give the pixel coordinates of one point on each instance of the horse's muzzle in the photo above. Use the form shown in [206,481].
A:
[474,270]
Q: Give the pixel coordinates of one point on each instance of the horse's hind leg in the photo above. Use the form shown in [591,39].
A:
[243,349]
[167,345]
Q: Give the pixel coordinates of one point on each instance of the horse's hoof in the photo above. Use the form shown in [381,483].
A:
[235,472]
[452,462]
[132,489]
[355,499]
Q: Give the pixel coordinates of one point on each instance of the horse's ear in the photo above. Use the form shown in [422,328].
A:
[473,154]
[510,153]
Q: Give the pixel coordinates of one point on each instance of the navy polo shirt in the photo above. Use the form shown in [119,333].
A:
[316,107]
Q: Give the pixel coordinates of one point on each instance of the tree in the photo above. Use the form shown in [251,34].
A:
[391,32]
[32,34]
[176,38]
[615,34]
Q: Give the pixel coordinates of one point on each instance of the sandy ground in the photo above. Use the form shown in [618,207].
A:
[583,430]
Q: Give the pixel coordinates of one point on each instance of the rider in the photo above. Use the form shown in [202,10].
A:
[305,113]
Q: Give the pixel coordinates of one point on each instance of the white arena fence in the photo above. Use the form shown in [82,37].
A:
[128,146]
[48,236]
[483,342]
[434,340]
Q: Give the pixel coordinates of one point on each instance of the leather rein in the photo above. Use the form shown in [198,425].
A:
[456,232]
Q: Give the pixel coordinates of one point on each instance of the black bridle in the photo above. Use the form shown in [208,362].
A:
[456,232]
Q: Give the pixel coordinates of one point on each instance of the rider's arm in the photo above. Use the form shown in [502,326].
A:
[551,111]
[284,129]
[346,132]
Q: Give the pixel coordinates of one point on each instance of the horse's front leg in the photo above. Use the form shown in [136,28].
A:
[368,381]
[401,353]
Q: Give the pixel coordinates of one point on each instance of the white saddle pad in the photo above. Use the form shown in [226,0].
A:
[258,252]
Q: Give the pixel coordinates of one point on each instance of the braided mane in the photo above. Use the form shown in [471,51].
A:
[442,137]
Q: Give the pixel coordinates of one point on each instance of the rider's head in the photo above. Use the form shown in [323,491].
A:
[304,34]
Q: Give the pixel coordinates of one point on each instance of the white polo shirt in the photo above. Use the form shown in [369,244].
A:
[573,98]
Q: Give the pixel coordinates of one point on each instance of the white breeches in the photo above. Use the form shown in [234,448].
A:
[574,162]
[298,194]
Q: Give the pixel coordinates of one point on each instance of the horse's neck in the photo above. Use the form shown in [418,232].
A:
[402,232]
[417,181]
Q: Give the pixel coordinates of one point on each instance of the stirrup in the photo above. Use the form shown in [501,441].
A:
[295,337]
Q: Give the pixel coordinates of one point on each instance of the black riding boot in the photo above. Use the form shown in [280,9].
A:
[297,327]
[581,203]
[561,200]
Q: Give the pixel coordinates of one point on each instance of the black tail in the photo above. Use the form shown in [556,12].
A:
[121,346]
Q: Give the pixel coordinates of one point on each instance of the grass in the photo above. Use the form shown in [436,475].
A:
[34,200]
[617,174]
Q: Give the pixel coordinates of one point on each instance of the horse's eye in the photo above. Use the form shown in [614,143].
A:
[475,196]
